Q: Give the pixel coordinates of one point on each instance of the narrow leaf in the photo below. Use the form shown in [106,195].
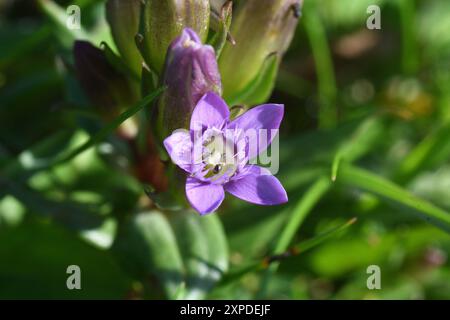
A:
[110,127]
[258,265]
[394,194]
[302,208]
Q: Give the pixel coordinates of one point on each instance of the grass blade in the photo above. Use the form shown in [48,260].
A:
[393,193]
[324,65]
[110,127]
[297,249]
[15,166]
[432,150]
[300,211]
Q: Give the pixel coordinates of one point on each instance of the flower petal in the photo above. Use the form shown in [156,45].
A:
[204,197]
[210,111]
[179,148]
[191,35]
[266,116]
[257,186]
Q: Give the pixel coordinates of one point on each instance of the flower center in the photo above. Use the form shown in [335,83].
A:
[219,157]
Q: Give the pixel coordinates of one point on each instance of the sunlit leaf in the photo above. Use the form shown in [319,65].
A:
[186,252]
[393,194]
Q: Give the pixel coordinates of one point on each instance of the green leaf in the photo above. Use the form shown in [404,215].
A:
[146,245]
[203,247]
[217,244]
[393,193]
[186,252]
[69,213]
[431,151]
[35,257]
[39,155]
[327,87]
[18,43]
[313,242]
[359,143]
[260,88]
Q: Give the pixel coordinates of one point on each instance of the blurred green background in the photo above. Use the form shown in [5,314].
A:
[388,154]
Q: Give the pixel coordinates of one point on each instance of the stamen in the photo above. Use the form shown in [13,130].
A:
[217,168]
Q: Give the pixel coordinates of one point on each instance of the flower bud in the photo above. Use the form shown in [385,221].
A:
[260,28]
[190,71]
[162,22]
[123,17]
[105,87]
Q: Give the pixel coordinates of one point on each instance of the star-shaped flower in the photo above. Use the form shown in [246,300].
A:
[215,153]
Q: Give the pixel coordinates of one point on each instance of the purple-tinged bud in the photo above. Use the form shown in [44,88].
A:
[106,88]
[163,20]
[123,17]
[190,71]
[260,28]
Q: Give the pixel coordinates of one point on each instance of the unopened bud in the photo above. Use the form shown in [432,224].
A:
[163,21]
[106,88]
[260,28]
[123,17]
[191,71]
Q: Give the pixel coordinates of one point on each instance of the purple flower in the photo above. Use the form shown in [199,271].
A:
[215,153]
